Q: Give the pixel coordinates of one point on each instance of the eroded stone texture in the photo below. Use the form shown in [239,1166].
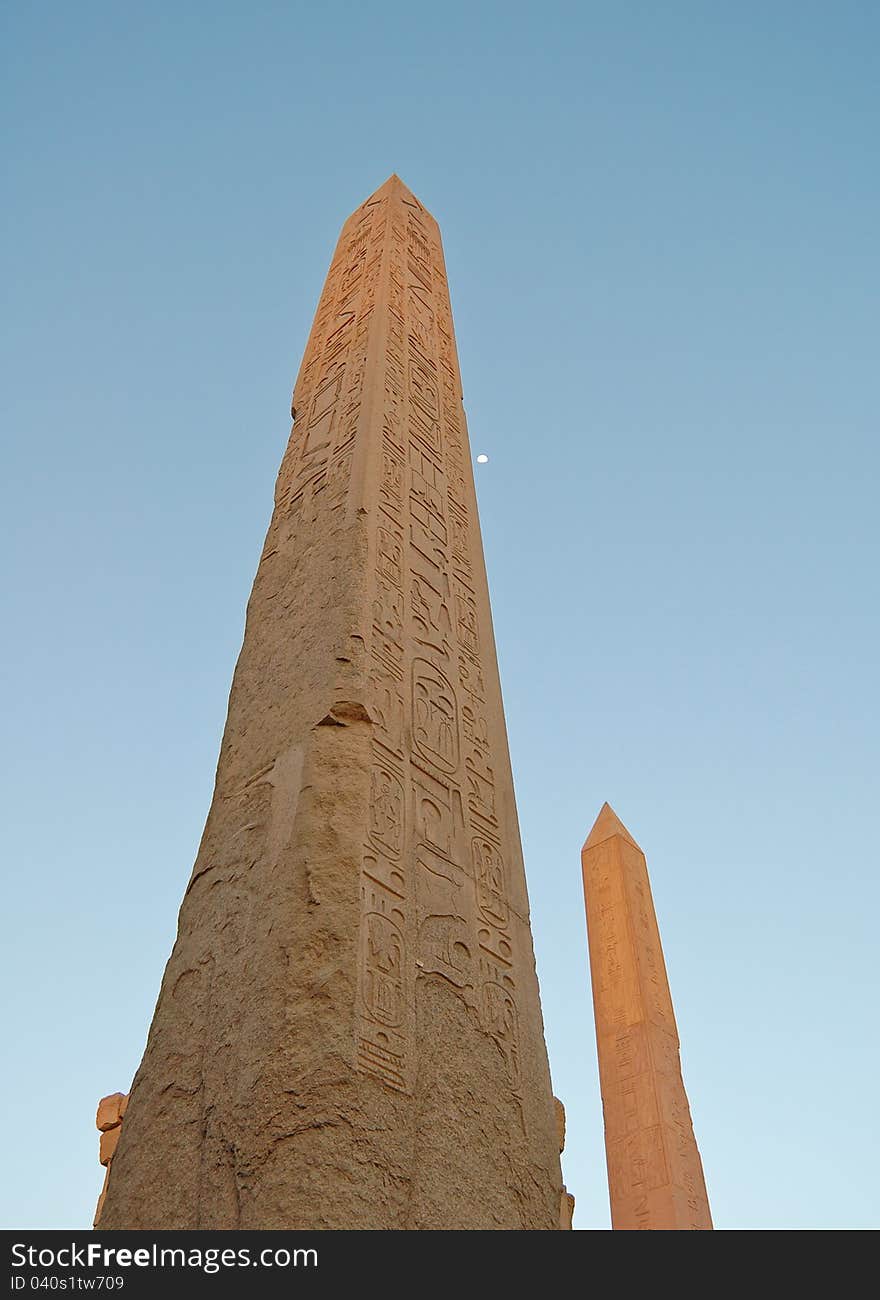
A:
[108,1120]
[559,1111]
[655,1176]
[111,1111]
[349,1033]
[566,1200]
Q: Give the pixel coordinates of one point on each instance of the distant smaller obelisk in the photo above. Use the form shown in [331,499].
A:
[655,1176]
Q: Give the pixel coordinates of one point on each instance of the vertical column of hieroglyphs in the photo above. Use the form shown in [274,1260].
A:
[654,1171]
[384,1011]
[328,397]
[434,899]
[481,759]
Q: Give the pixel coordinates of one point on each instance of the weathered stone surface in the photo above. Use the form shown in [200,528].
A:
[101,1198]
[349,1033]
[108,1143]
[111,1110]
[655,1175]
[559,1110]
[566,1200]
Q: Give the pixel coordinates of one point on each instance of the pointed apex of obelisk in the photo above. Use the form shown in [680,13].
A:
[392,181]
[394,185]
[607,825]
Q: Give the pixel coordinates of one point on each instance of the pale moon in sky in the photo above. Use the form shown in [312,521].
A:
[482,460]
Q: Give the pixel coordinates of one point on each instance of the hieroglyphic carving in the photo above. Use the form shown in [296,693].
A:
[489,877]
[382,973]
[499,1008]
[386,810]
[390,556]
[388,618]
[391,487]
[430,611]
[432,739]
[327,398]
[388,709]
[435,716]
[384,1047]
[384,963]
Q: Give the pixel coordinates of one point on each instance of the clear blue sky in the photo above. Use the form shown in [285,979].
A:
[661,232]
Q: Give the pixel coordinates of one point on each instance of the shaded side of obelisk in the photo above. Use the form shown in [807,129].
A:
[655,1176]
[349,1031]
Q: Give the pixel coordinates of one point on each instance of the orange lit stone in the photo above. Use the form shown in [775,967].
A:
[111,1110]
[109,1142]
[655,1176]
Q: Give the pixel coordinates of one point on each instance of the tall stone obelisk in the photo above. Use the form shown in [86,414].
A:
[349,1033]
[655,1176]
